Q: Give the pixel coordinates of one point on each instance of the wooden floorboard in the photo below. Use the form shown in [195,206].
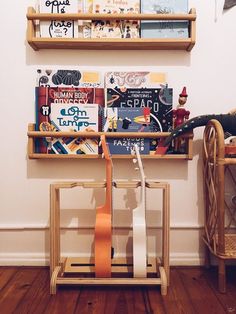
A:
[192,290]
[177,300]
[227,300]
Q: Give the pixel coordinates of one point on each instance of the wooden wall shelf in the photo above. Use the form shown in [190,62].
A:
[38,43]
[32,135]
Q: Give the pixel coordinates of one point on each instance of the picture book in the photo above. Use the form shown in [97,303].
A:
[164,6]
[68,109]
[116,28]
[68,78]
[134,79]
[76,146]
[159,100]
[74,117]
[55,28]
[106,29]
[167,29]
[123,146]
[116,6]
[164,29]
[127,120]
[85,25]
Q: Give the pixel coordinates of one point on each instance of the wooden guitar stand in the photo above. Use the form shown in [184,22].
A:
[103,269]
[71,270]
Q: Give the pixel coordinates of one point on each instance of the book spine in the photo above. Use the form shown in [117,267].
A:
[41,102]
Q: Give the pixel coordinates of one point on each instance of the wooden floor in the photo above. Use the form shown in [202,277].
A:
[192,290]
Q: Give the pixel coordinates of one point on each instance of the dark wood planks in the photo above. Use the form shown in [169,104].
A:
[192,290]
[15,289]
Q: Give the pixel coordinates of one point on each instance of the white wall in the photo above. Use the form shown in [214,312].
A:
[209,74]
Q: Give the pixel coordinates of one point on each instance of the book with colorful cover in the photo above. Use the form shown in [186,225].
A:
[56,28]
[68,109]
[159,100]
[68,78]
[117,28]
[127,120]
[164,29]
[134,79]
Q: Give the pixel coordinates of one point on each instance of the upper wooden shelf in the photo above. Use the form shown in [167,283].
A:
[32,135]
[38,43]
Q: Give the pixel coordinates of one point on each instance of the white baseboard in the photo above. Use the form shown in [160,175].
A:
[29,245]
[39,259]
[186,259]
[23,259]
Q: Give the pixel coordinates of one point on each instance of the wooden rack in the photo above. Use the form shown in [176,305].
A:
[38,43]
[219,232]
[75,271]
[32,135]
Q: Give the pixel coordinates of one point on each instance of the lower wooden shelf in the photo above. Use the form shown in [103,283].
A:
[33,135]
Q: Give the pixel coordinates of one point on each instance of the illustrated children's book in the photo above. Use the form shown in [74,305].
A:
[117,28]
[164,29]
[85,25]
[67,109]
[55,28]
[159,100]
[71,117]
[68,78]
[127,120]
[134,79]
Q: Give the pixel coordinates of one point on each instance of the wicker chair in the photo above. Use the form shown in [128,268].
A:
[219,215]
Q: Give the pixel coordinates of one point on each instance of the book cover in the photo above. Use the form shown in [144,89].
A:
[118,28]
[134,79]
[167,29]
[164,29]
[106,29]
[127,120]
[85,25]
[116,6]
[164,6]
[123,146]
[67,109]
[159,100]
[55,28]
[68,78]
[76,146]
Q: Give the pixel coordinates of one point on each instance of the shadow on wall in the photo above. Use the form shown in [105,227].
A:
[55,57]
[80,169]
[94,169]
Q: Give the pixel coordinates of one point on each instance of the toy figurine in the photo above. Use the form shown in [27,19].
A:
[180,115]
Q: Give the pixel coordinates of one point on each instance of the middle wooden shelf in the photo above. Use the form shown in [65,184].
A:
[33,135]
